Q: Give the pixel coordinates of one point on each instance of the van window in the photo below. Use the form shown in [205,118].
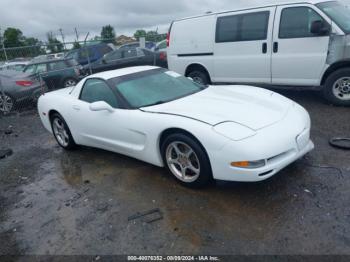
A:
[244,27]
[296,22]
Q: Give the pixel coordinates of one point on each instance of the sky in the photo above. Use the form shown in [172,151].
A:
[36,18]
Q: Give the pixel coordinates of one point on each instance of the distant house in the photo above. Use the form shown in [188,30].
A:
[123,39]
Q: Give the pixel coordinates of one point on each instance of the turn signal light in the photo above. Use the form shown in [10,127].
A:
[249,164]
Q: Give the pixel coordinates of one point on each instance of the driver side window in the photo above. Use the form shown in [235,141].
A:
[95,90]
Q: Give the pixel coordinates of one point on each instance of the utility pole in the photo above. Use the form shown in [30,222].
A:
[64,44]
[2,38]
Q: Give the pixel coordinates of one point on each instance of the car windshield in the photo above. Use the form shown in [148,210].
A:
[338,12]
[155,87]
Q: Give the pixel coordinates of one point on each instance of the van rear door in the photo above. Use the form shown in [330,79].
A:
[243,47]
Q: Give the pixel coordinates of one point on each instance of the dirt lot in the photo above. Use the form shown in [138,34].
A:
[56,202]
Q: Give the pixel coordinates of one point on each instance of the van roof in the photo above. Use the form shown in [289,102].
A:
[268,3]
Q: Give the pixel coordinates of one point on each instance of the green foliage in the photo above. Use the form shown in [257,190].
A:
[76,45]
[140,33]
[150,35]
[54,45]
[108,33]
[13,37]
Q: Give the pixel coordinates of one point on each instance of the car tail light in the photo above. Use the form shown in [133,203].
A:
[168,36]
[168,39]
[24,83]
[162,56]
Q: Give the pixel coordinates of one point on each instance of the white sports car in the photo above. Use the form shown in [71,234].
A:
[232,133]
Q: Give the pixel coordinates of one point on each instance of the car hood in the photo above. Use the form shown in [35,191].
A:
[249,106]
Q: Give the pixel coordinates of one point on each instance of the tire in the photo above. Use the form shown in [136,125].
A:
[61,132]
[199,77]
[7,103]
[337,87]
[189,169]
[69,82]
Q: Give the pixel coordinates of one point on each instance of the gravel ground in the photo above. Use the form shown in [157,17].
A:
[54,202]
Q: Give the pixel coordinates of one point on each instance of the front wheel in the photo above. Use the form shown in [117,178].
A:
[185,158]
[61,132]
[337,87]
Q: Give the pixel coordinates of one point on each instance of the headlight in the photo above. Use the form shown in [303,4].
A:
[234,131]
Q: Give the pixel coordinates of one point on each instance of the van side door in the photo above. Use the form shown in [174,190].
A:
[242,49]
[299,56]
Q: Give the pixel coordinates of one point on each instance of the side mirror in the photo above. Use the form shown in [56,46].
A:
[101,106]
[320,28]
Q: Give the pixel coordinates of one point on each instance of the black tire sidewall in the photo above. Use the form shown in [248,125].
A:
[68,79]
[200,74]
[328,87]
[205,177]
[71,144]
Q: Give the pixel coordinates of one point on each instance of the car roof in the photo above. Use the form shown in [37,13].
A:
[122,72]
[251,5]
[54,60]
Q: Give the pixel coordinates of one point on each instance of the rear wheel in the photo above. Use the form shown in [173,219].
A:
[199,77]
[61,132]
[185,158]
[6,103]
[337,87]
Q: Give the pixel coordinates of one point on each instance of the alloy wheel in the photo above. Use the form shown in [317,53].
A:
[60,132]
[183,162]
[6,103]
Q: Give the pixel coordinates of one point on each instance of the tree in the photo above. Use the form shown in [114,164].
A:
[13,37]
[54,45]
[140,33]
[76,45]
[108,34]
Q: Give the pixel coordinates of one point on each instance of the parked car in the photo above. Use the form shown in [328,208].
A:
[235,133]
[90,53]
[148,45]
[296,44]
[127,58]
[17,88]
[57,73]
[16,66]
[161,46]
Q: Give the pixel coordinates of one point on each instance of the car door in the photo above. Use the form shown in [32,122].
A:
[101,129]
[56,73]
[242,49]
[298,57]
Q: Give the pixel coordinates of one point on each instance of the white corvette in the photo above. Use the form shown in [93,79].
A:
[233,133]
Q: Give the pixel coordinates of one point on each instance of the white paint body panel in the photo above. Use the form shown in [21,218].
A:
[273,121]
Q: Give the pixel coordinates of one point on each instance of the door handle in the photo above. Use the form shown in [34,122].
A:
[275,47]
[264,48]
[77,108]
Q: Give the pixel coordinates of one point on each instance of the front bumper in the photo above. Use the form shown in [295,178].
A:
[273,166]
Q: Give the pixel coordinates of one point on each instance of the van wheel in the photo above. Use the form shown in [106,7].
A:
[199,77]
[337,87]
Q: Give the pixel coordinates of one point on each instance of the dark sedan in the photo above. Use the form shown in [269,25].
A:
[125,58]
[16,88]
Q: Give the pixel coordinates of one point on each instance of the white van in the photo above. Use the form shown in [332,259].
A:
[303,44]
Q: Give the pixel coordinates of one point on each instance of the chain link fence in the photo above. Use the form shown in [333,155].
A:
[28,72]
